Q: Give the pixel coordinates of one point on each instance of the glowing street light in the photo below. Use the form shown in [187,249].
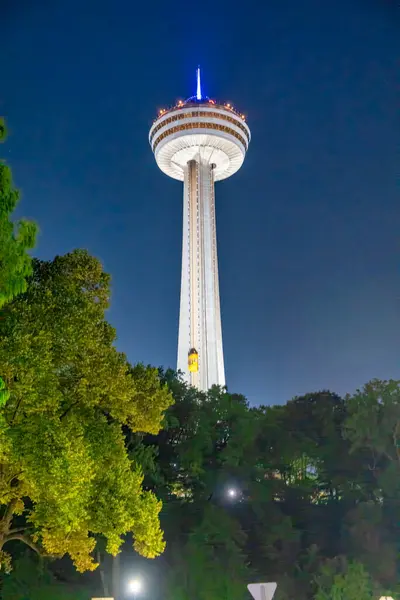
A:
[232,493]
[135,587]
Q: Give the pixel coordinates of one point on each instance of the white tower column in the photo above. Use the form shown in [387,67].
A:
[200,314]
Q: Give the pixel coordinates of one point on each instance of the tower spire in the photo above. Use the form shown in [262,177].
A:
[198,93]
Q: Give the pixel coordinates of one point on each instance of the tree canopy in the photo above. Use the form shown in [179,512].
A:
[32,579]
[65,474]
[315,504]
[16,239]
[304,494]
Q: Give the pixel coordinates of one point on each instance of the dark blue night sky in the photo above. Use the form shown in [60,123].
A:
[308,230]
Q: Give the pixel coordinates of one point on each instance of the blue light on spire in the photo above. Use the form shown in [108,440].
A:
[198,93]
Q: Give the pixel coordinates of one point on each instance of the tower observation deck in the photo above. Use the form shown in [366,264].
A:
[199,142]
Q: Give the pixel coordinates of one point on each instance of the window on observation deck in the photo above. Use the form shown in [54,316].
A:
[201,113]
[200,125]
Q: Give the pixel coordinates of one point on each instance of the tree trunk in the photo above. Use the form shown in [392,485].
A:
[116,587]
[102,575]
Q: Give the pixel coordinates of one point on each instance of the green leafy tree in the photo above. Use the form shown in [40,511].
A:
[65,473]
[15,238]
[299,493]
[373,430]
[310,511]
[339,579]
[33,580]
[212,564]
[190,464]
[373,427]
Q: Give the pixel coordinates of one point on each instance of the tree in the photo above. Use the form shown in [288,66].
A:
[15,241]
[15,238]
[33,579]
[339,579]
[312,509]
[299,508]
[213,547]
[373,429]
[65,474]
[189,464]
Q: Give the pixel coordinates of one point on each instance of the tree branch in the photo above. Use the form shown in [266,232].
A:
[388,456]
[375,460]
[17,530]
[15,411]
[26,540]
[395,440]
[66,411]
[8,516]
[15,477]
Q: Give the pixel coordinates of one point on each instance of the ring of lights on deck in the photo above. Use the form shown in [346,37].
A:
[202,128]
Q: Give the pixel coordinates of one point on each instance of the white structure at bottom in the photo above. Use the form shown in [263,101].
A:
[262,591]
[200,142]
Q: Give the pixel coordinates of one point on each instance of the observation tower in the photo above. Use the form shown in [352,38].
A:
[200,141]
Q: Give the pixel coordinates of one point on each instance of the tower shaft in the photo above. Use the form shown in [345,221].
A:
[200,314]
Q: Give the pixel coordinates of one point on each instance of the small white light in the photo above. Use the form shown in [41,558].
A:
[135,586]
[232,493]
